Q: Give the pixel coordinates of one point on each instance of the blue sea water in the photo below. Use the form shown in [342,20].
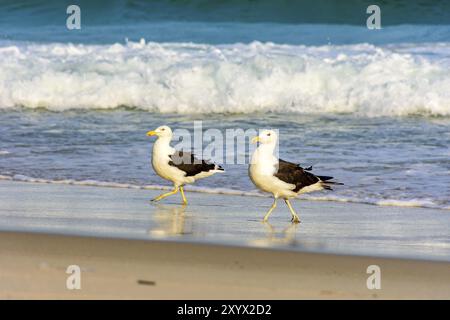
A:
[370,107]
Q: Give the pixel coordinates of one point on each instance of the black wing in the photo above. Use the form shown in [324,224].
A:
[294,174]
[187,162]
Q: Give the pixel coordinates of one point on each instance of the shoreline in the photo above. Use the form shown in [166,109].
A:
[36,264]
[329,228]
[412,203]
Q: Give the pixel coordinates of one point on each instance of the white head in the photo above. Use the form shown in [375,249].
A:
[266,137]
[161,132]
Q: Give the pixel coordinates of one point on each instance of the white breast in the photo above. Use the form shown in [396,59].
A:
[160,162]
[261,172]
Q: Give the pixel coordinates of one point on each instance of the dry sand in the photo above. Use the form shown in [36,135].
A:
[34,266]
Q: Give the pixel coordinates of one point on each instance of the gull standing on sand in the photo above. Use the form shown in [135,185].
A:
[177,166]
[281,178]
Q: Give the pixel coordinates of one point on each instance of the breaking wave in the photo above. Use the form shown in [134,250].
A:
[363,79]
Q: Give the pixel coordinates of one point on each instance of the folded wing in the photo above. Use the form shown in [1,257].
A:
[187,162]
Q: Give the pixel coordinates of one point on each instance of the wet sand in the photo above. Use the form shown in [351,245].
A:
[327,227]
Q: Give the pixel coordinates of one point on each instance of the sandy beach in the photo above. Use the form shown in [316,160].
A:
[334,113]
[216,248]
[33,266]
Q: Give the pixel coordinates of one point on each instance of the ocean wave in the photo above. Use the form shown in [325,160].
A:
[225,191]
[241,78]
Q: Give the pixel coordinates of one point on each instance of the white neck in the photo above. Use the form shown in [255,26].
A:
[264,152]
[162,147]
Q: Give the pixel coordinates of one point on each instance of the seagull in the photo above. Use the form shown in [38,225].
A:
[177,166]
[282,178]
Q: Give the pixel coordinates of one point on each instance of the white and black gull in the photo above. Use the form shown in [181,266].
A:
[180,167]
[283,179]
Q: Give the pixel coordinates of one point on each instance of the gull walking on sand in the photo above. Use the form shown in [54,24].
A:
[177,166]
[282,178]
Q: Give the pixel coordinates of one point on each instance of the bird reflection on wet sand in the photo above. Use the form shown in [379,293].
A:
[274,237]
[170,221]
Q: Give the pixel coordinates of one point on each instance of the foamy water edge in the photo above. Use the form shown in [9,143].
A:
[417,203]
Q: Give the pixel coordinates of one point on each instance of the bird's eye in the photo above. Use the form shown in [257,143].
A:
[268,134]
[163,129]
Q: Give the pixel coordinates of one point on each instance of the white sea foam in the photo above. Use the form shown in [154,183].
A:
[420,203]
[4,152]
[239,78]
[407,203]
[225,191]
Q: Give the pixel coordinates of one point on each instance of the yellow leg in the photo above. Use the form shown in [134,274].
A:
[183,196]
[274,205]
[295,218]
[175,190]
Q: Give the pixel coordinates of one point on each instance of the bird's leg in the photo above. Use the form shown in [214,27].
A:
[295,218]
[274,205]
[162,196]
[183,196]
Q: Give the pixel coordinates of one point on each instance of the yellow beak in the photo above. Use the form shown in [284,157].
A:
[256,139]
[151,133]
